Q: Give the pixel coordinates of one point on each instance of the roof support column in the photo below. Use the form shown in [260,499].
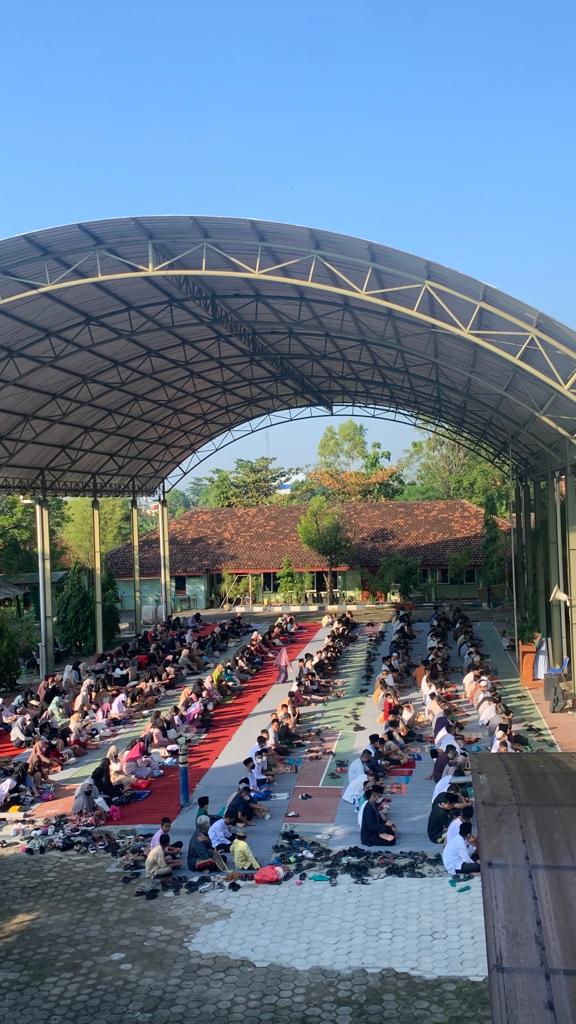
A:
[540,558]
[44,587]
[554,570]
[571,559]
[136,564]
[97,567]
[529,550]
[520,562]
[164,557]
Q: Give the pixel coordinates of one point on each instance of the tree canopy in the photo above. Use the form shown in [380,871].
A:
[436,468]
[18,552]
[323,529]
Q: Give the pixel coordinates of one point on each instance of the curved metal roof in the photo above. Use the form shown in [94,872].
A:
[125,345]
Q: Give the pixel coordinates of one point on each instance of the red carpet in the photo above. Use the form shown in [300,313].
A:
[7,749]
[165,797]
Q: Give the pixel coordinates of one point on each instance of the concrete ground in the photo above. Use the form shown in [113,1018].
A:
[77,946]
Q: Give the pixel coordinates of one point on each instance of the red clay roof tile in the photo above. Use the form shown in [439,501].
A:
[258,539]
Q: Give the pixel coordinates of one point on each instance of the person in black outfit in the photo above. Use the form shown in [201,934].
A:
[376,831]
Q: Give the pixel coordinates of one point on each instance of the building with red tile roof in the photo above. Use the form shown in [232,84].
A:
[206,543]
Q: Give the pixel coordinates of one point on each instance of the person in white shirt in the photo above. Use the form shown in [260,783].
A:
[442,786]
[358,765]
[118,709]
[219,833]
[447,741]
[456,855]
[466,814]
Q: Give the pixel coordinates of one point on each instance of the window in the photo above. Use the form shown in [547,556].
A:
[179,584]
[422,575]
[470,575]
[443,576]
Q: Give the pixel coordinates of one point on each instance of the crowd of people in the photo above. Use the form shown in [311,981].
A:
[70,713]
[220,842]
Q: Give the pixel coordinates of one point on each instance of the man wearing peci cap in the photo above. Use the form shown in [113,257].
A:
[244,859]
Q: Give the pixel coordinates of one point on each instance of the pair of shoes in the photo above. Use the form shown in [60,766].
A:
[304,796]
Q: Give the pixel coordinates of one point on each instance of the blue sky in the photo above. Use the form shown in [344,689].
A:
[443,129]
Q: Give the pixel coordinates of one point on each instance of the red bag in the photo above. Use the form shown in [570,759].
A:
[114,813]
[141,784]
[270,875]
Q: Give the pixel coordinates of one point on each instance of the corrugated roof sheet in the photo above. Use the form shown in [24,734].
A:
[120,324]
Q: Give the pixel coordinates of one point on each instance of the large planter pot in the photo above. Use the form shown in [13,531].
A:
[526,656]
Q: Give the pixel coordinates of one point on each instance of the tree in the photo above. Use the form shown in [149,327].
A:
[178,503]
[18,543]
[341,448]
[9,659]
[437,468]
[75,612]
[219,492]
[287,579]
[493,568]
[457,565]
[114,527]
[110,606]
[196,491]
[322,529]
[397,571]
[256,481]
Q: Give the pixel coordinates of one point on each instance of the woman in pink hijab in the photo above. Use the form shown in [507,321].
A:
[282,663]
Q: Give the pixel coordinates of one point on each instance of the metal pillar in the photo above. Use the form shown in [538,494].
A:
[540,558]
[164,558]
[136,565]
[520,563]
[97,566]
[513,561]
[571,551]
[529,549]
[556,612]
[44,587]
[562,583]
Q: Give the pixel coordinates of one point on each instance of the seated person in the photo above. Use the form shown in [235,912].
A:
[459,854]
[244,859]
[173,852]
[203,811]
[444,809]
[376,830]
[202,856]
[243,808]
[466,814]
[157,865]
[257,781]
[220,834]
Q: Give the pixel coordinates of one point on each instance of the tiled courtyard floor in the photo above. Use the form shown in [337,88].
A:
[77,946]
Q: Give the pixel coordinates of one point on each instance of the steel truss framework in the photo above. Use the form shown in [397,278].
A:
[127,345]
[277,419]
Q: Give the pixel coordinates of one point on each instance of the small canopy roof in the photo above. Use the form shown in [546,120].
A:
[126,345]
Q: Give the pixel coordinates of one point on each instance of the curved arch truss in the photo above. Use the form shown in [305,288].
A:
[127,345]
[277,419]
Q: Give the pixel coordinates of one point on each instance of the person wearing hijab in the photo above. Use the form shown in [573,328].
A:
[117,774]
[85,797]
[135,761]
[101,778]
